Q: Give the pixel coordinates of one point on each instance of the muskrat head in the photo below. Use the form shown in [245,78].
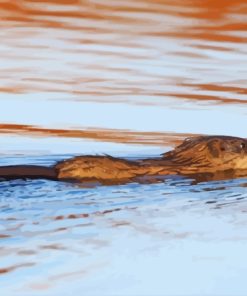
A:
[210,153]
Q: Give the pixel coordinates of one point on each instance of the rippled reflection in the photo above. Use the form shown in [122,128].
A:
[137,72]
[145,53]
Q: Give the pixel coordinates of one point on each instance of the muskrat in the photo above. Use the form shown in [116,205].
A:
[203,157]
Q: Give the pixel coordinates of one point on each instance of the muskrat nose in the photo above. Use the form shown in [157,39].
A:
[242,146]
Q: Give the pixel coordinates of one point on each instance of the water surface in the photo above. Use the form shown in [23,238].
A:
[127,78]
[93,64]
[136,239]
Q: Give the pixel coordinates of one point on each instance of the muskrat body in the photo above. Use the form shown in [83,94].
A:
[218,157]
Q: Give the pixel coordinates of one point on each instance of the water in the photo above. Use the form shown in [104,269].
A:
[127,78]
[79,64]
[59,239]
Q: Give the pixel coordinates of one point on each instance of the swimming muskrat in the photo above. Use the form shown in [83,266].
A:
[205,157]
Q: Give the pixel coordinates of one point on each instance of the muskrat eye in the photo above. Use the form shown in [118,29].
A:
[242,145]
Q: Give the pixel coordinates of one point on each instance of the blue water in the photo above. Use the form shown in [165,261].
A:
[143,66]
[134,239]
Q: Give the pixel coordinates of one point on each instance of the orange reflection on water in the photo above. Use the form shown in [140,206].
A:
[141,52]
[14,267]
[106,135]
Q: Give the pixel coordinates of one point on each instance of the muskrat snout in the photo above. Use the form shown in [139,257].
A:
[242,146]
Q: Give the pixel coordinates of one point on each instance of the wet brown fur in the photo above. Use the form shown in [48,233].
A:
[211,157]
[216,156]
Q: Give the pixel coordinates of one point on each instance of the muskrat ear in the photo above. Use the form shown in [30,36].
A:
[214,149]
[189,139]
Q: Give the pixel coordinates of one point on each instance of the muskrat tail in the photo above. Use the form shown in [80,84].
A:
[28,172]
